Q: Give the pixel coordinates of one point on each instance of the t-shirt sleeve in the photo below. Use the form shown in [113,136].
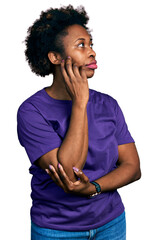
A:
[122,134]
[35,133]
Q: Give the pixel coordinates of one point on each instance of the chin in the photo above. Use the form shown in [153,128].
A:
[89,75]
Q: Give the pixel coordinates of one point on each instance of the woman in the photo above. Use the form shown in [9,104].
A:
[76,138]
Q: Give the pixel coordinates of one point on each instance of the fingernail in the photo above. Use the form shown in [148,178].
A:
[75,169]
[51,168]
[59,166]
[69,57]
[62,60]
[47,171]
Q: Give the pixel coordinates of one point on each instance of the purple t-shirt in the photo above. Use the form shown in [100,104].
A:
[42,125]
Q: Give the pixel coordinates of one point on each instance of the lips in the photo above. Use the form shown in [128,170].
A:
[92,65]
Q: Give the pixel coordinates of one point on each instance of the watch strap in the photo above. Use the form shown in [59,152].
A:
[98,188]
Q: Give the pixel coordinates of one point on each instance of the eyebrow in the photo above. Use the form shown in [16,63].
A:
[83,39]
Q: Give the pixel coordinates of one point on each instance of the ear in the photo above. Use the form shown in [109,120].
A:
[55,58]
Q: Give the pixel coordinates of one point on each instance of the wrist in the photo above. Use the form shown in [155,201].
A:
[92,189]
[79,104]
[97,189]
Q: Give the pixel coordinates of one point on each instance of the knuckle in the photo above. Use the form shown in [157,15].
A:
[62,177]
[70,187]
[75,65]
[55,180]
[86,180]
[66,81]
[62,68]
[79,78]
[73,79]
[67,64]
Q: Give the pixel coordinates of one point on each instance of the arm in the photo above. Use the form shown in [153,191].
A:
[74,148]
[127,172]
[73,151]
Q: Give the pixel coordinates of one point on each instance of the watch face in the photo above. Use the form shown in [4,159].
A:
[98,188]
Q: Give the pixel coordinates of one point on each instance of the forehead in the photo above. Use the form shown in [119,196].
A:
[76,31]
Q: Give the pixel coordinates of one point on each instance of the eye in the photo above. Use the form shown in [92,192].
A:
[91,45]
[83,45]
[79,45]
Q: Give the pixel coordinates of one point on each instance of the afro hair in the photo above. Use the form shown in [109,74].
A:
[46,35]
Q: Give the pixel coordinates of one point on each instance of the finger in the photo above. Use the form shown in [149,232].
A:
[63,70]
[83,72]
[67,79]
[76,70]
[54,176]
[77,183]
[64,176]
[81,175]
[68,66]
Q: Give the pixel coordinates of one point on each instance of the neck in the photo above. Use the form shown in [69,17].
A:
[58,89]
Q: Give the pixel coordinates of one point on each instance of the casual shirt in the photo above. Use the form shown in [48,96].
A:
[42,125]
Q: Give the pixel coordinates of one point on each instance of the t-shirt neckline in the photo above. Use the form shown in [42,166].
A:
[58,100]
[53,99]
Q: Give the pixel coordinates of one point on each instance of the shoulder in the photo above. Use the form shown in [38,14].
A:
[102,98]
[28,108]
[30,102]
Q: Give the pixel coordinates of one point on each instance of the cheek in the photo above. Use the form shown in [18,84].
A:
[78,58]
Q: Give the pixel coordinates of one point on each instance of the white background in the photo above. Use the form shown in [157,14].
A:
[126,42]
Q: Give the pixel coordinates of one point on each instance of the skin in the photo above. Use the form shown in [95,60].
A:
[81,53]
[70,83]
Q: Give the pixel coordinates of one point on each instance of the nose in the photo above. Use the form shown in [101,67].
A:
[91,52]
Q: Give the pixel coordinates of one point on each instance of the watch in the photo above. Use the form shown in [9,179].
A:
[98,189]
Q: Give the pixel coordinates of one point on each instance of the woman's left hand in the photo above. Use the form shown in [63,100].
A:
[81,187]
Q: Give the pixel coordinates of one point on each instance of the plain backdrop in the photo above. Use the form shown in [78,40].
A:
[125,37]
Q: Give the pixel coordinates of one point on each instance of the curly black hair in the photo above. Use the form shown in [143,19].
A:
[46,35]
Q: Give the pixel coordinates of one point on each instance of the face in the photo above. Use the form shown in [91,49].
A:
[78,45]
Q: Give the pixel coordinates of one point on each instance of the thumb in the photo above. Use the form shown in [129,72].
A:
[81,175]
